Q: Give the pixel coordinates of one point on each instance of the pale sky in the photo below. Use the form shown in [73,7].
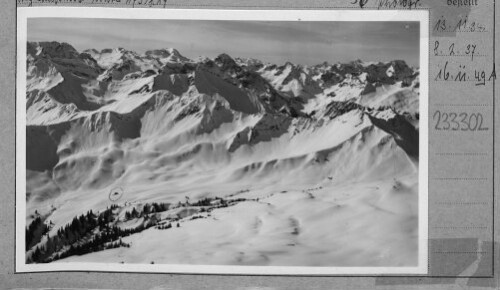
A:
[306,43]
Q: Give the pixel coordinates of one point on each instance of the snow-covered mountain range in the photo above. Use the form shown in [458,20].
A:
[255,163]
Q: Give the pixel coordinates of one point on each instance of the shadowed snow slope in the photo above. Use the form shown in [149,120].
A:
[319,164]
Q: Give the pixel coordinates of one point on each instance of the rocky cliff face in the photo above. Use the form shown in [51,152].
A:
[165,127]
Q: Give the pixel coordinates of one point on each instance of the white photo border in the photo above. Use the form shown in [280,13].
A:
[422,16]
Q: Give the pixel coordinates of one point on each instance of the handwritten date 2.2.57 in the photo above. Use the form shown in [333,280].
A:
[468,50]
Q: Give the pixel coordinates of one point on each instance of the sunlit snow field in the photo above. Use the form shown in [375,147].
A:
[330,180]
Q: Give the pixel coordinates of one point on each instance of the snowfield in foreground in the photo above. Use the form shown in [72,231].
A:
[156,158]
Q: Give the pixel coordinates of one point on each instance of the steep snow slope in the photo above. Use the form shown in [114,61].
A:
[294,165]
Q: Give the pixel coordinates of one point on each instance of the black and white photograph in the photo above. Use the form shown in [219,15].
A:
[231,142]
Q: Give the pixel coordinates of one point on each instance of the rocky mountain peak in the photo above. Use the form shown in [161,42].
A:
[53,49]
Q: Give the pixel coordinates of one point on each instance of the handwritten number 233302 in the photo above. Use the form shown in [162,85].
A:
[458,121]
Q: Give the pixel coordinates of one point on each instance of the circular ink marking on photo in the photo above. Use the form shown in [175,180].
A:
[115,194]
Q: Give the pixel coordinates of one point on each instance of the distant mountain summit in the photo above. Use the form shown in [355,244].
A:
[65,86]
[300,147]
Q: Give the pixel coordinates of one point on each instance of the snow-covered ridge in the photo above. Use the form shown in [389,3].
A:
[167,128]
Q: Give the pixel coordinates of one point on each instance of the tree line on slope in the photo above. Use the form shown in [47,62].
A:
[92,232]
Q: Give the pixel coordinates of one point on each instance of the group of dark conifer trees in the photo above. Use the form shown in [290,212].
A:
[147,209]
[86,233]
[91,232]
[35,232]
